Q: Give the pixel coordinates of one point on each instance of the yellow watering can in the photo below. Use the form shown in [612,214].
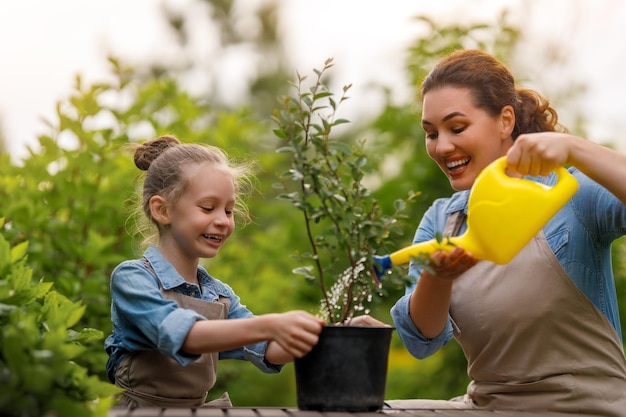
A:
[503,215]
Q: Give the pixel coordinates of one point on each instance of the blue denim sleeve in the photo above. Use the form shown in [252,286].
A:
[143,319]
[603,214]
[254,353]
[419,346]
[413,340]
[432,224]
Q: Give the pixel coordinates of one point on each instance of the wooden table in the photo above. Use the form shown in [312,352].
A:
[294,412]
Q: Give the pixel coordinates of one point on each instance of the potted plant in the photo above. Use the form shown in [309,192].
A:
[345,227]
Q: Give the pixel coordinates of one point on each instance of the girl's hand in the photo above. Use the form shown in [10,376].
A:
[296,332]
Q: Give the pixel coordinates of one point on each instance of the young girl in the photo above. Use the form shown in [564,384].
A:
[543,331]
[172,321]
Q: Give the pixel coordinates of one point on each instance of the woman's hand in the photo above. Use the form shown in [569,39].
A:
[448,266]
[366,321]
[539,153]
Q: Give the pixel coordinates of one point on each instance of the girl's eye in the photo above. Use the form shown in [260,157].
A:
[209,209]
[229,212]
[431,136]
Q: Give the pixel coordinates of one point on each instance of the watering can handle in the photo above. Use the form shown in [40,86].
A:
[565,181]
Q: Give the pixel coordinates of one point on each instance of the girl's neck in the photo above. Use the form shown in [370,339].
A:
[186,266]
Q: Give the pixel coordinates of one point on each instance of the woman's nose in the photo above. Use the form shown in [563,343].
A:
[444,145]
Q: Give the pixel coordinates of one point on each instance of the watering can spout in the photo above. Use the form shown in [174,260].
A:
[382,264]
[503,215]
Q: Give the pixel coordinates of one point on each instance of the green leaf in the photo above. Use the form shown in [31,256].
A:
[280,133]
[339,198]
[323,94]
[286,149]
[340,122]
[303,270]
[344,148]
[85,336]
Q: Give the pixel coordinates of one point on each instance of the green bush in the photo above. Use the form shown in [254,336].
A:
[40,370]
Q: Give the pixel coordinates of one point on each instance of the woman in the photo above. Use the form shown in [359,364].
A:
[541,332]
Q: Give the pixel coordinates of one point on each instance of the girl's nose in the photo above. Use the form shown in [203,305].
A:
[227,221]
[220,217]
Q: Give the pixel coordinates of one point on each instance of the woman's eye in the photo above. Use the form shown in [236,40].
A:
[431,136]
[458,130]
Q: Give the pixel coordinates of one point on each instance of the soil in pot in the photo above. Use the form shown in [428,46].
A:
[345,371]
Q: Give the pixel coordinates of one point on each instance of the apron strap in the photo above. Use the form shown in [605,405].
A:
[453,223]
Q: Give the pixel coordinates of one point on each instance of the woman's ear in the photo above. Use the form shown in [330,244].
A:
[159,210]
[507,118]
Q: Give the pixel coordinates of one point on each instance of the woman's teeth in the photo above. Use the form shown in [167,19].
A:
[458,163]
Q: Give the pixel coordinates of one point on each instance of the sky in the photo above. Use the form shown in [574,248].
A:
[44,44]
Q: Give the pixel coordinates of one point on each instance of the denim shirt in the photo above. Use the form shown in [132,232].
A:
[580,236]
[144,320]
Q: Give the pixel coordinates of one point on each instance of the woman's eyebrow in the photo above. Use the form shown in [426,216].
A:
[446,118]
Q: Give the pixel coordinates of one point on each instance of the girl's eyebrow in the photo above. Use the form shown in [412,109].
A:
[445,119]
[214,199]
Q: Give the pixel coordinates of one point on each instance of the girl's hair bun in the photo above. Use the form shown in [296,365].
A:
[149,151]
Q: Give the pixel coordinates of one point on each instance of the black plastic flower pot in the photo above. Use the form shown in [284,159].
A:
[345,371]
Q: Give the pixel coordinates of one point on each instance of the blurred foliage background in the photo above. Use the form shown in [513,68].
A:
[70,199]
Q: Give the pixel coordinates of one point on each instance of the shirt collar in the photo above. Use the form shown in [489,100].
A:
[165,271]
[170,278]
[458,202]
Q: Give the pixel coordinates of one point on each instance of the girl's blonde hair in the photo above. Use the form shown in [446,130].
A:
[164,159]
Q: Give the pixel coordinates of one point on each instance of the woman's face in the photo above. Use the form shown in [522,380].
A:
[462,138]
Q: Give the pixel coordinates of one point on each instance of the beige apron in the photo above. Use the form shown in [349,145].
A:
[155,380]
[533,340]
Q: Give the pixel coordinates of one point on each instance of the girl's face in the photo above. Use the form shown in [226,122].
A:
[462,138]
[202,219]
